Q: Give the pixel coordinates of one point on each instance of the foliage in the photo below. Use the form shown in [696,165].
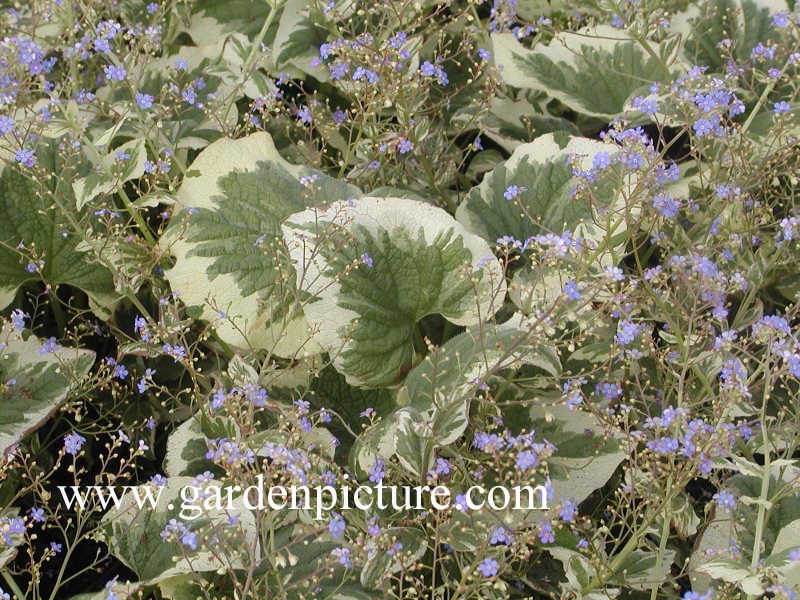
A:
[347,246]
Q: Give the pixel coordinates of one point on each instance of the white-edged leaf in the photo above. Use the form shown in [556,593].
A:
[113,173]
[543,170]
[705,24]
[423,263]
[593,70]
[28,222]
[230,255]
[135,534]
[34,384]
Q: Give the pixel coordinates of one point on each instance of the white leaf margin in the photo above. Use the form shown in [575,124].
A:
[246,327]
[330,321]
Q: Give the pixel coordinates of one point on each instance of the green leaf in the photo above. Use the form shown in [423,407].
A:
[423,263]
[788,539]
[732,572]
[592,71]
[510,123]
[43,382]
[380,564]
[134,534]
[437,392]
[744,22]
[642,568]
[546,205]
[544,169]
[186,450]
[219,18]
[230,256]
[30,225]
[584,461]
[298,39]
[112,174]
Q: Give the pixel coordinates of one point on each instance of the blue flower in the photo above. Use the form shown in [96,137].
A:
[501,535]
[73,442]
[488,567]
[25,157]
[342,556]
[527,459]
[378,470]
[336,526]
[484,54]
[405,146]
[568,510]
[781,107]
[724,500]
[571,290]
[304,114]
[189,95]
[781,19]
[48,346]
[115,73]
[120,372]
[6,125]
[512,191]
[397,40]
[144,101]
[366,259]
[18,319]
[546,535]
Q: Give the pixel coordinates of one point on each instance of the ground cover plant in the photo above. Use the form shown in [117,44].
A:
[353,244]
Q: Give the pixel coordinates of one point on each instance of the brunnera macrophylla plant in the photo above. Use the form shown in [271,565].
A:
[485,248]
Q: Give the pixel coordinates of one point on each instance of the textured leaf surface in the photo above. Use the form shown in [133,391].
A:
[135,535]
[42,382]
[706,24]
[592,71]
[26,218]
[231,257]
[543,169]
[423,263]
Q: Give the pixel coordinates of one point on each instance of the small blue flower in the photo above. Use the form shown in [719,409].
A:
[781,107]
[568,510]
[336,526]
[405,146]
[378,471]
[18,319]
[6,125]
[512,191]
[571,290]
[488,567]
[115,73]
[48,346]
[73,442]
[25,157]
[144,101]
[601,160]
[366,259]
[189,95]
[304,114]
[724,500]
[546,535]
[781,19]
